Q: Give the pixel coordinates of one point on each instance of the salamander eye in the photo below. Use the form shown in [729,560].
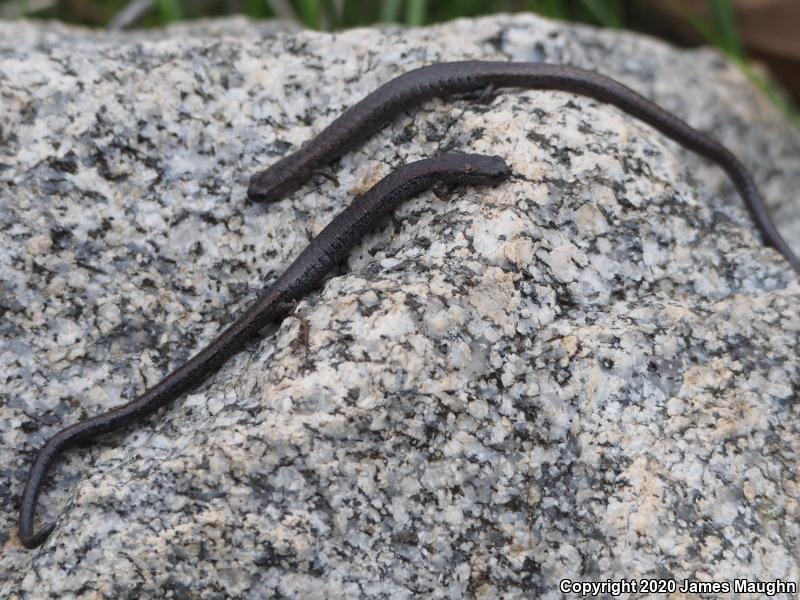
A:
[467,168]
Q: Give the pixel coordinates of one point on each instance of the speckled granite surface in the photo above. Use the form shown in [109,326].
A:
[590,372]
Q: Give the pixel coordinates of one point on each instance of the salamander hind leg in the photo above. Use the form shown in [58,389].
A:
[327,175]
[484,95]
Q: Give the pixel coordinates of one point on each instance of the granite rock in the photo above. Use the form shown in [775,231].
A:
[588,373]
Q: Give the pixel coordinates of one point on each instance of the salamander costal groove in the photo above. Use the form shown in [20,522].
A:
[330,247]
[360,122]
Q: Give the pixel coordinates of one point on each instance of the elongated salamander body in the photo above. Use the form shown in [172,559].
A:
[330,247]
[368,116]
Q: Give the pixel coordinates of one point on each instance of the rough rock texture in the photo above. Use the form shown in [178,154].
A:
[590,372]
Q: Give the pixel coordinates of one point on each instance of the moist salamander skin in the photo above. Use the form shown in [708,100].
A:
[360,122]
[325,251]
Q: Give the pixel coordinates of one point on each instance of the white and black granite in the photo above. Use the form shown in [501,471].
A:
[590,372]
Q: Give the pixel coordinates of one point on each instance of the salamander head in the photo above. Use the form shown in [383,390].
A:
[277,181]
[479,168]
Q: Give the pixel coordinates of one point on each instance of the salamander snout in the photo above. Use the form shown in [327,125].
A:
[488,169]
[280,179]
[268,185]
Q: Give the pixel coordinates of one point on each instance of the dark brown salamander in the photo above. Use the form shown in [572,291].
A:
[330,247]
[367,117]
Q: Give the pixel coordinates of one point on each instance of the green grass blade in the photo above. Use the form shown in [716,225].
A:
[553,9]
[255,9]
[169,11]
[790,110]
[310,13]
[607,13]
[415,12]
[726,26]
[390,11]
[330,16]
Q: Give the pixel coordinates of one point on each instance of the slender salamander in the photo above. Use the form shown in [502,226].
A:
[330,247]
[360,122]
